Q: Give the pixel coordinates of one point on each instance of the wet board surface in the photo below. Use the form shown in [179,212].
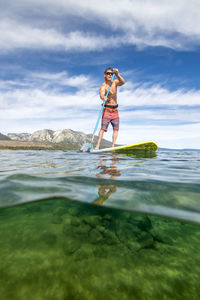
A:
[145,146]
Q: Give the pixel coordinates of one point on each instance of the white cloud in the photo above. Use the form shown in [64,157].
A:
[174,24]
[157,95]
[21,35]
[63,79]
[170,118]
[162,116]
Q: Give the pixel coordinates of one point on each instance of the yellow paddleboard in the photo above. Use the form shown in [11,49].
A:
[146,146]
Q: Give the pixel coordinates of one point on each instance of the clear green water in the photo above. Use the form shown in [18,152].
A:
[112,242]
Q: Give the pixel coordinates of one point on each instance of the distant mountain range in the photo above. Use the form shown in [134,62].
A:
[4,137]
[58,139]
[64,136]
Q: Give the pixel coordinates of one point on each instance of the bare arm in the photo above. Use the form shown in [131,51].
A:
[120,80]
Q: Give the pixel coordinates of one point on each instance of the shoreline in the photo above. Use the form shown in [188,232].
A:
[24,145]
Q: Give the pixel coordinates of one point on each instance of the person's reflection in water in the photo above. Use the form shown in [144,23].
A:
[105,190]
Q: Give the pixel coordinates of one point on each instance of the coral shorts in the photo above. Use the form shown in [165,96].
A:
[110,116]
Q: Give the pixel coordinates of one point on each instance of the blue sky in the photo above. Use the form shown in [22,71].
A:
[53,54]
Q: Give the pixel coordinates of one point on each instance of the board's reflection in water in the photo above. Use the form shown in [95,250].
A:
[109,172]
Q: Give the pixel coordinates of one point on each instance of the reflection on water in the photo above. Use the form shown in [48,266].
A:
[107,169]
[109,172]
[139,154]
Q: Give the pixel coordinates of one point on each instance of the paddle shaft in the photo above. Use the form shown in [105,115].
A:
[97,123]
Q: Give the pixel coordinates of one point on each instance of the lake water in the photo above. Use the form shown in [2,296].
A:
[99,226]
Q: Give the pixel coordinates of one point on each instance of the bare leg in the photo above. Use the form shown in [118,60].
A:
[115,135]
[101,132]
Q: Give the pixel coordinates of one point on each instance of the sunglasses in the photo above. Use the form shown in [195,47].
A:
[109,73]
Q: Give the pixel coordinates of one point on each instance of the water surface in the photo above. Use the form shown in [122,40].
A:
[163,184]
[107,226]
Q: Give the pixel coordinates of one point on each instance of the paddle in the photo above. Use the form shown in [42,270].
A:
[87,146]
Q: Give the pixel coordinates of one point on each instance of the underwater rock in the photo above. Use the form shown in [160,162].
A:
[73,211]
[127,231]
[100,228]
[60,211]
[99,252]
[84,252]
[133,219]
[66,229]
[57,219]
[75,221]
[93,221]
[95,236]
[70,246]
[145,224]
[82,230]
[49,238]
[120,234]
[106,223]
[133,246]
[146,241]
[110,238]
[162,237]
[107,217]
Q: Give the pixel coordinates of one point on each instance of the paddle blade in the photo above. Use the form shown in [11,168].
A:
[86,147]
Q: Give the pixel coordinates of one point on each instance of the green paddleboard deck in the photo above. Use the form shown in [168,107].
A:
[146,146]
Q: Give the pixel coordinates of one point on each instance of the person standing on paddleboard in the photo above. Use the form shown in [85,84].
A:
[110,111]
